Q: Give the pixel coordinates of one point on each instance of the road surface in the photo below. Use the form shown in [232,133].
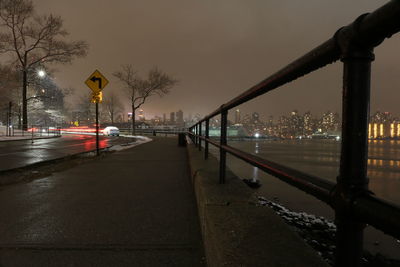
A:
[21,153]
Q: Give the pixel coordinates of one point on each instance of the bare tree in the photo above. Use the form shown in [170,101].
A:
[112,106]
[85,112]
[34,40]
[139,89]
[8,83]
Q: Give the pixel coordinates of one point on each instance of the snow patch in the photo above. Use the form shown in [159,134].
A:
[138,141]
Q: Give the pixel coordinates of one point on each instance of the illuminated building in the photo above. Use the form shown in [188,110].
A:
[384,130]
[179,117]
[237,116]
[255,118]
[307,123]
[141,115]
[172,118]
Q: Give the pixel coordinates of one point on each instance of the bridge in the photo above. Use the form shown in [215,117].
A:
[160,204]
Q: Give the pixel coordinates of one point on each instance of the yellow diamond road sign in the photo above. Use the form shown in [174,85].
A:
[96,82]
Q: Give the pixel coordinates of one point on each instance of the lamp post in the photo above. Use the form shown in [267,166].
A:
[41,74]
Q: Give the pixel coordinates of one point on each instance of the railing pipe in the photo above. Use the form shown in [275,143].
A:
[197,134]
[318,187]
[207,135]
[200,133]
[375,212]
[222,152]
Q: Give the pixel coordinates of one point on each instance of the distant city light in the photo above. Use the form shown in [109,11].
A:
[256,135]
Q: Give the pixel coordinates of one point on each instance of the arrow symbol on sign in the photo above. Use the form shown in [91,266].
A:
[95,79]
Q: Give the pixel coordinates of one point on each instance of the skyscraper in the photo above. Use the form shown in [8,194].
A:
[172,118]
[237,116]
[179,117]
[141,115]
[255,118]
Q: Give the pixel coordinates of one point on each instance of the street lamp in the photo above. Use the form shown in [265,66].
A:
[41,73]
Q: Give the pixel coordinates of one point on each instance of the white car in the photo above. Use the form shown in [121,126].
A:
[111,130]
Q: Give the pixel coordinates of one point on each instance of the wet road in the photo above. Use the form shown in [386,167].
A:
[21,153]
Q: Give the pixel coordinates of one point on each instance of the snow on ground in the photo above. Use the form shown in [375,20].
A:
[319,233]
[138,141]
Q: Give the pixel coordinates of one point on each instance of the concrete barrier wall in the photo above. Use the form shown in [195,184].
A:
[238,232]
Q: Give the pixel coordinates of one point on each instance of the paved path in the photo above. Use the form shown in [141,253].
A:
[132,208]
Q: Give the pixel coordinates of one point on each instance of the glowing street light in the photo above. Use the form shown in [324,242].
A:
[41,73]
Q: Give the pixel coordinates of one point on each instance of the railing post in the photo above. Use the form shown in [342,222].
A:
[352,180]
[195,134]
[200,136]
[222,152]
[207,134]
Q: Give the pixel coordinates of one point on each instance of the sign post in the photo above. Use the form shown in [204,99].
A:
[96,82]
[97,129]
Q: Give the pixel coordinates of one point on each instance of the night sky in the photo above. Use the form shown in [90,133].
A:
[219,48]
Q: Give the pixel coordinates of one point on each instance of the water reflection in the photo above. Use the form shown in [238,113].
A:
[322,158]
[255,174]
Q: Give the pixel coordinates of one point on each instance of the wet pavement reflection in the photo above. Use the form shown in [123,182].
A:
[21,153]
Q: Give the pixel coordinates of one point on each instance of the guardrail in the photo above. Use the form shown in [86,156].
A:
[33,131]
[155,131]
[354,205]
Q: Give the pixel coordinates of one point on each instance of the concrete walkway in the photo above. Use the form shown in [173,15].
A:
[132,208]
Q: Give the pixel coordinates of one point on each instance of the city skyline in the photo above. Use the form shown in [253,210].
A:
[235,116]
[217,50]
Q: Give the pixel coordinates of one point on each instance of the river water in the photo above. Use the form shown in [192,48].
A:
[321,158]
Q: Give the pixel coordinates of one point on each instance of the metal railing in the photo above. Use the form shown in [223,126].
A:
[154,131]
[33,131]
[354,205]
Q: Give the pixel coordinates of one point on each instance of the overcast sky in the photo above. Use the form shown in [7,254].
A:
[219,48]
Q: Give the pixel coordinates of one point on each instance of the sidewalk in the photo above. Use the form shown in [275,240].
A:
[132,208]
